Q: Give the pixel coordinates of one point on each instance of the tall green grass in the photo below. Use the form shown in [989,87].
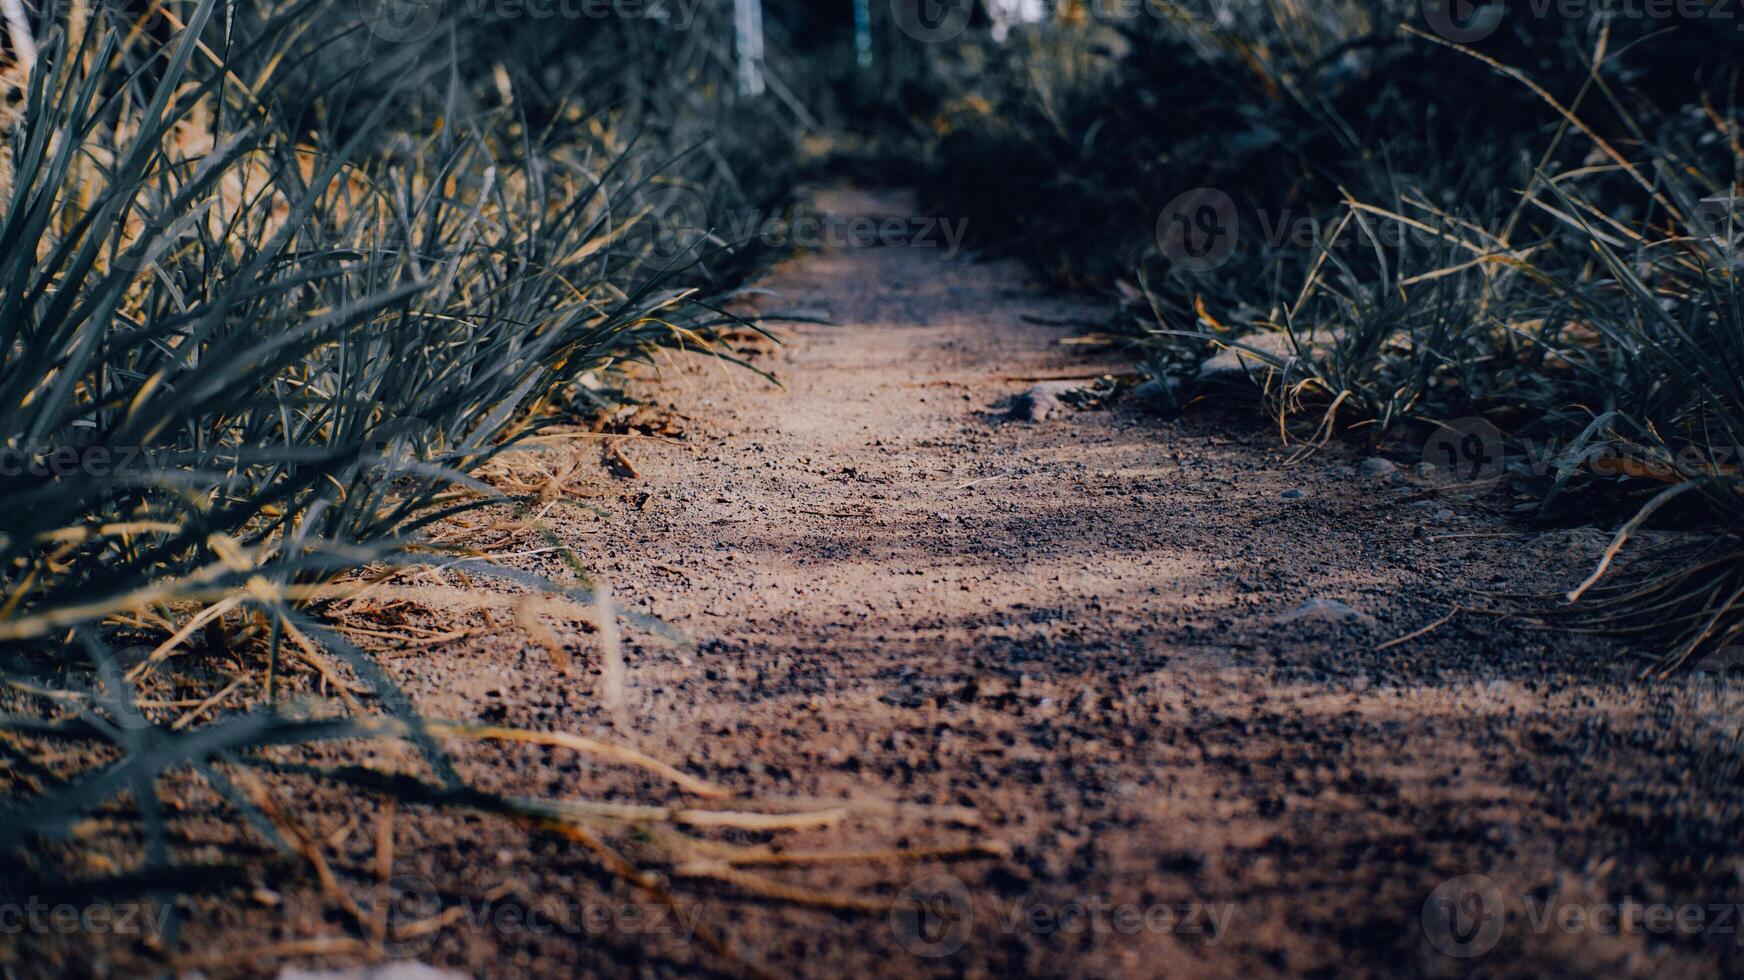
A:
[272,288]
[239,289]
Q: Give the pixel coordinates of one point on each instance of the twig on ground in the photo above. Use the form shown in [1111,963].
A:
[201,708]
[985,479]
[1432,627]
[615,454]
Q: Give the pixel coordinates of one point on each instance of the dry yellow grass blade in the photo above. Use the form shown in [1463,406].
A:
[204,706]
[577,743]
[780,891]
[738,820]
[960,815]
[585,810]
[891,855]
[79,535]
[312,655]
[334,945]
[611,684]
[526,614]
[593,245]
[195,587]
[617,865]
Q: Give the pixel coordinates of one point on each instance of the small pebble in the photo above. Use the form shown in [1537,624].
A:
[1291,494]
[1325,610]
[1376,467]
[1039,401]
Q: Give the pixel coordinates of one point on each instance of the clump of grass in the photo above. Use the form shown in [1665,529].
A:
[219,323]
[1538,228]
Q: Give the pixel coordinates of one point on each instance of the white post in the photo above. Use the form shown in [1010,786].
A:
[748,31]
[863,33]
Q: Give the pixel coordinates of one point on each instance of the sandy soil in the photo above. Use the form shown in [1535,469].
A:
[1077,627]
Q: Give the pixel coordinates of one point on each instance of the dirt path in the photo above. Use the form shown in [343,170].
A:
[895,593]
